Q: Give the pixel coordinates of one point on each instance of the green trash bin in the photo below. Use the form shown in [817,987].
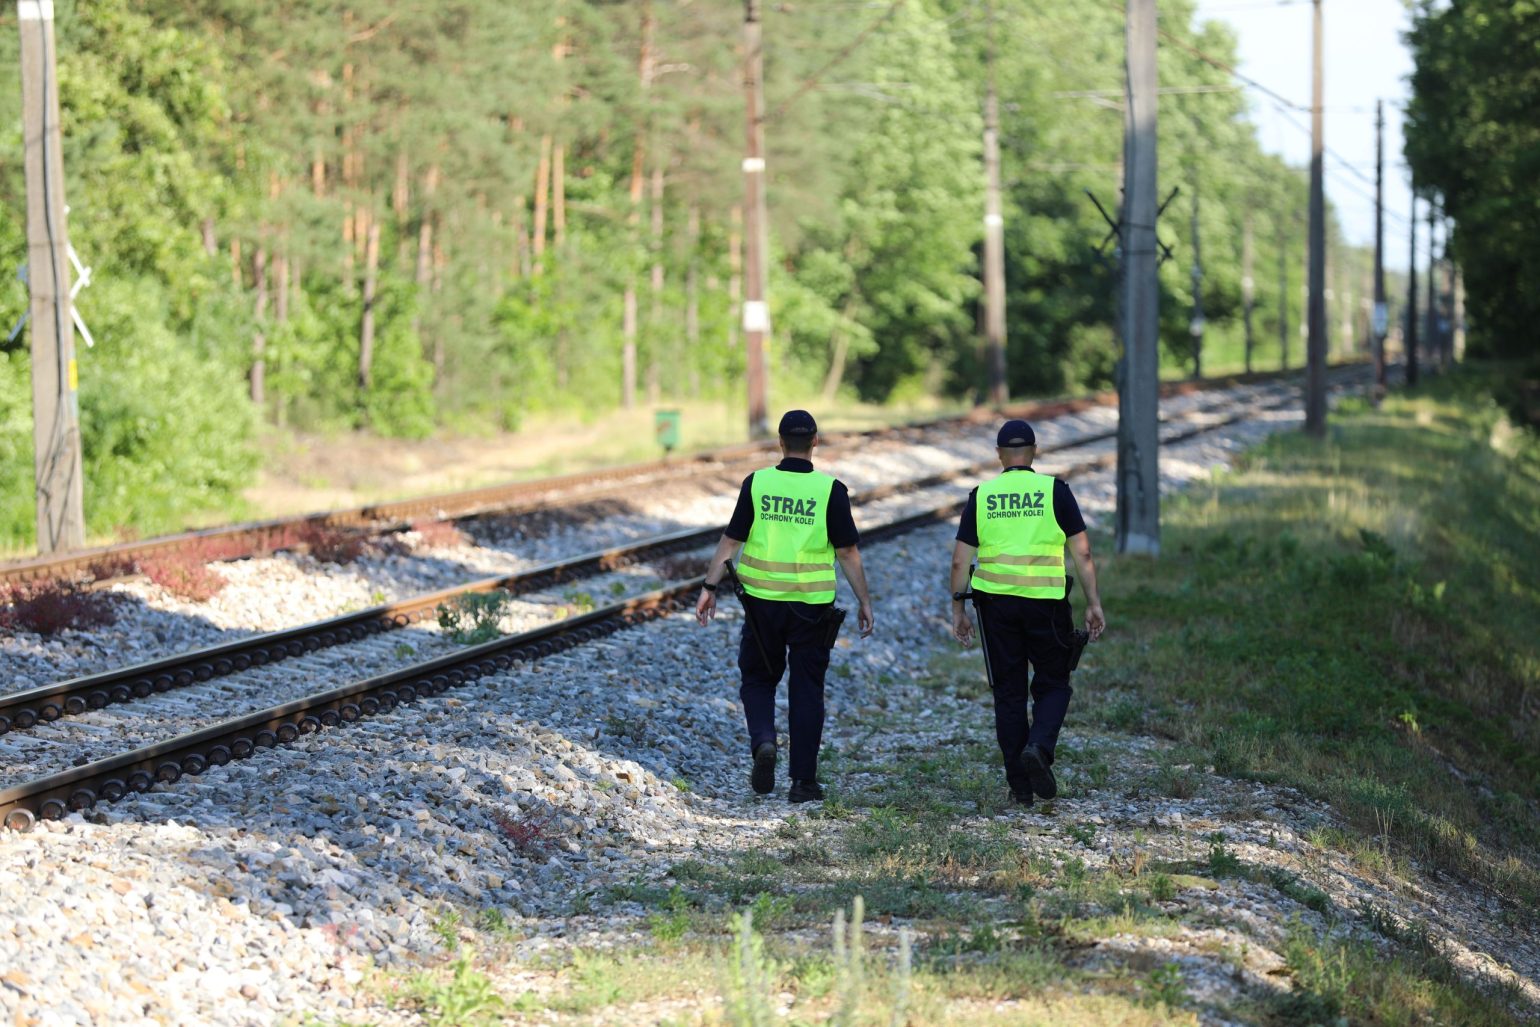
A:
[665,424]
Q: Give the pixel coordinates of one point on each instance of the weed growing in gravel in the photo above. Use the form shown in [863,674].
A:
[53,606]
[671,922]
[492,921]
[1165,985]
[474,619]
[183,574]
[1221,861]
[467,999]
[524,830]
[1085,834]
[447,926]
[580,601]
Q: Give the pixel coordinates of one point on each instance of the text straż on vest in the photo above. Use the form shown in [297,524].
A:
[1014,504]
[792,511]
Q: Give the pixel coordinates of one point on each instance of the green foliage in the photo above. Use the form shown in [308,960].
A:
[467,999]
[673,920]
[1470,140]
[1165,985]
[474,618]
[165,432]
[229,162]
[1407,612]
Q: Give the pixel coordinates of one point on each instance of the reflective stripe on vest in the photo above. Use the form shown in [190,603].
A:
[788,555]
[1021,546]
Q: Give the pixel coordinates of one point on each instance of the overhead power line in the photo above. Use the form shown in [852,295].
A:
[812,80]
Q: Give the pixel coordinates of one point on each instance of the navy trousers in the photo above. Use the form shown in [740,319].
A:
[1022,636]
[790,633]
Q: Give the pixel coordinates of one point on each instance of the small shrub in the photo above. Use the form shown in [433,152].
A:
[1221,861]
[1165,985]
[184,571]
[473,619]
[53,606]
[184,574]
[524,830]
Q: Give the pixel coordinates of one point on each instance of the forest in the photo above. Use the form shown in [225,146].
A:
[408,218]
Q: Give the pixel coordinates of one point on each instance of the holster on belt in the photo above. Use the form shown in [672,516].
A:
[1078,638]
[833,619]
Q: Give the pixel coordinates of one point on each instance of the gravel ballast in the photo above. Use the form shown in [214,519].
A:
[277,888]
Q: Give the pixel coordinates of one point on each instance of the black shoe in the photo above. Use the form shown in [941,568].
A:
[762,777]
[1022,798]
[804,791]
[1036,766]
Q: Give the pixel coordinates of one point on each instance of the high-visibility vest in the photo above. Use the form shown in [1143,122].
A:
[1021,546]
[788,555]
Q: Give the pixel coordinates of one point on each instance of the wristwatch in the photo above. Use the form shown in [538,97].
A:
[958,597]
[708,586]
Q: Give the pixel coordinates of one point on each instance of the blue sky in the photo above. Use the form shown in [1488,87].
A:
[1366,60]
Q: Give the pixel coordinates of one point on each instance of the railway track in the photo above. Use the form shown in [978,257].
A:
[109,779]
[260,537]
[23,710]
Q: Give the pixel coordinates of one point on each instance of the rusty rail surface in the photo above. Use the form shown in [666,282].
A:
[255,538]
[80,788]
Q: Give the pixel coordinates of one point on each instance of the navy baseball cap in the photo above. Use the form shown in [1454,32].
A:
[797,423]
[1015,434]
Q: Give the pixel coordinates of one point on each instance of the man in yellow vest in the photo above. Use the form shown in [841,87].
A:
[1018,525]
[793,524]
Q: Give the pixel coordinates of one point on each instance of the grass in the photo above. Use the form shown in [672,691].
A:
[1311,625]
[1355,619]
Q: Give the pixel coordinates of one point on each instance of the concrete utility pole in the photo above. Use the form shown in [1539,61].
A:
[1283,297]
[1139,392]
[55,407]
[1434,343]
[994,236]
[1457,325]
[1197,324]
[1411,300]
[756,249]
[1381,320]
[1315,356]
[1248,284]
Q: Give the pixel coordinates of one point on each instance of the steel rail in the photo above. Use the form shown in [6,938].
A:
[23,710]
[253,538]
[20,711]
[79,788]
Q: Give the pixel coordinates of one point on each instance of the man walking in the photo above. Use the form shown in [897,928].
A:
[793,524]
[1018,525]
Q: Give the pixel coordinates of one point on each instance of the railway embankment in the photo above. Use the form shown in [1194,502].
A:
[1297,785]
